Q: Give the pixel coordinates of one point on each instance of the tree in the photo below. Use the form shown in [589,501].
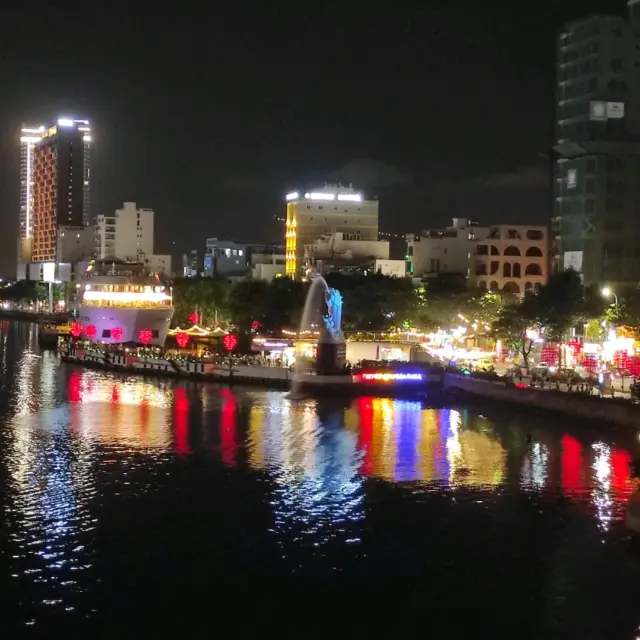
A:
[205,296]
[247,302]
[513,323]
[374,302]
[562,305]
[24,290]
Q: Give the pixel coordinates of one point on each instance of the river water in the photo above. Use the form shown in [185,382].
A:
[143,507]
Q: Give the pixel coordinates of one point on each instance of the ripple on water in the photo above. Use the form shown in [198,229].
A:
[123,491]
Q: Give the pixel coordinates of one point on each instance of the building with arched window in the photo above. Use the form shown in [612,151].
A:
[512,258]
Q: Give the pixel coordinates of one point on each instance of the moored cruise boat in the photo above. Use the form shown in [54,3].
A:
[122,302]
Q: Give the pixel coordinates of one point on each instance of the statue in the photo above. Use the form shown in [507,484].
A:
[334,313]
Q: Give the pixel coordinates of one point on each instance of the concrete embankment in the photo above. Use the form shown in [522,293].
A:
[591,408]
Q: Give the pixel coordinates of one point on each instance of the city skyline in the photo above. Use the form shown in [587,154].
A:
[434,127]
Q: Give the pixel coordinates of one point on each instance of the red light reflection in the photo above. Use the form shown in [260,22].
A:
[571,466]
[181,421]
[621,474]
[365,437]
[228,428]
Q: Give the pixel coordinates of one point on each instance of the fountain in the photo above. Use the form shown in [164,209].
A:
[323,313]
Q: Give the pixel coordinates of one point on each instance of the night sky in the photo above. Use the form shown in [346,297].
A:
[210,116]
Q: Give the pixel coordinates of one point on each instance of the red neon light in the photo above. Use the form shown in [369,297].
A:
[76,329]
[182,340]
[193,318]
[145,336]
[90,330]
[116,334]
[230,342]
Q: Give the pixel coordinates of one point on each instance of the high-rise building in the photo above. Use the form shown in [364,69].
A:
[128,234]
[59,185]
[596,219]
[322,212]
[29,138]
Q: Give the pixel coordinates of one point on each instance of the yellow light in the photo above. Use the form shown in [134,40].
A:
[126,296]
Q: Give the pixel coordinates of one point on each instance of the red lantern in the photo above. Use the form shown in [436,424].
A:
[116,334]
[90,331]
[182,339]
[76,330]
[255,325]
[230,342]
[193,318]
[145,336]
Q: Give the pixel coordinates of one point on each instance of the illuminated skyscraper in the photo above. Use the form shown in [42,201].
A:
[29,139]
[56,181]
[315,214]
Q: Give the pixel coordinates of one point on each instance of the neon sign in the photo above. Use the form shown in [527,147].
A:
[392,376]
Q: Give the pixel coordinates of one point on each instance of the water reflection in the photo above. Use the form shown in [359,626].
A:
[314,463]
[76,440]
[127,412]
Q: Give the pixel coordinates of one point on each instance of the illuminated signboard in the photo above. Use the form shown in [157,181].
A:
[50,132]
[391,376]
[271,344]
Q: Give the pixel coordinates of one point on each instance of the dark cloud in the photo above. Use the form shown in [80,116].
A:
[365,173]
[530,177]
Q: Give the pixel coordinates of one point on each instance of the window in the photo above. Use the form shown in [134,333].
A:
[533,270]
[511,287]
[534,252]
[482,250]
[590,185]
[534,234]
[516,270]
[240,252]
[512,251]
[506,270]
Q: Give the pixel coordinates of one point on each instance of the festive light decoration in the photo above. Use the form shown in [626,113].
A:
[392,376]
[255,325]
[116,334]
[90,331]
[145,336]
[76,329]
[182,340]
[230,342]
[193,318]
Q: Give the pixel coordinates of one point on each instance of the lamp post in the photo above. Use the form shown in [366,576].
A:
[607,293]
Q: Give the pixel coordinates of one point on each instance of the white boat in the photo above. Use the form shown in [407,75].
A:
[121,302]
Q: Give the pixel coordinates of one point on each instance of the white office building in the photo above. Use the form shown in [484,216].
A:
[127,234]
[449,250]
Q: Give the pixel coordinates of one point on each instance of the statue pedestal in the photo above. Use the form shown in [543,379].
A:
[331,358]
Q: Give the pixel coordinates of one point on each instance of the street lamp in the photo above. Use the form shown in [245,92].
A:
[607,293]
